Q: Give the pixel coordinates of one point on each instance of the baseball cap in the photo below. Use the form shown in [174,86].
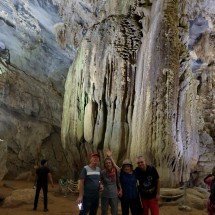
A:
[126,162]
[95,154]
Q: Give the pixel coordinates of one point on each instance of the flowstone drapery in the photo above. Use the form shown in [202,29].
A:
[131,90]
[101,88]
[142,82]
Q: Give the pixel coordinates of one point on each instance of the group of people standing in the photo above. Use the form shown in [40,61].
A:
[138,189]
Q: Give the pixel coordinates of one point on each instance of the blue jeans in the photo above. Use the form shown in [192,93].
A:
[89,204]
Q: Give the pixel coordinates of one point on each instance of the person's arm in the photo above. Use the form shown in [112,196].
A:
[156,176]
[101,184]
[50,179]
[109,154]
[81,191]
[119,189]
[35,181]
[81,185]
[158,189]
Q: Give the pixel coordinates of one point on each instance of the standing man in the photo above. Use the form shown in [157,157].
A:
[42,176]
[89,187]
[149,186]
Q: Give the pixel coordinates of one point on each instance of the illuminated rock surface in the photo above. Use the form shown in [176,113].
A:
[142,81]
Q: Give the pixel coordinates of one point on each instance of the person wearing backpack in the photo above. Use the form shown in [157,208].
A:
[149,186]
[210,181]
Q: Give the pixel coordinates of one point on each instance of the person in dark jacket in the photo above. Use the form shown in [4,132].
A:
[130,197]
[210,181]
[42,176]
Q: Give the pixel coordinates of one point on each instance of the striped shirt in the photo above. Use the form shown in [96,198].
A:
[91,179]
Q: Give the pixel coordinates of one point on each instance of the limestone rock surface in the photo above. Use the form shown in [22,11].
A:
[33,69]
[147,68]
[19,197]
[142,82]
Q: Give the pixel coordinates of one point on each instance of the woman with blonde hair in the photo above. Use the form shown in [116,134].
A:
[112,188]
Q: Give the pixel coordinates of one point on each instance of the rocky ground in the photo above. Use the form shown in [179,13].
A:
[18,199]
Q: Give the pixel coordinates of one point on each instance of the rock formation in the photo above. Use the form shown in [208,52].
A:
[142,82]
[33,70]
[133,87]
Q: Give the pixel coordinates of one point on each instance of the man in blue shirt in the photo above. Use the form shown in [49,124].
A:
[89,186]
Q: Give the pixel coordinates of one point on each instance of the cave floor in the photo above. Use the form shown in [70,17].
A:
[60,205]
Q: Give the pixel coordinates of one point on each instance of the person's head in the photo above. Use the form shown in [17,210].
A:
[43,162]
[94,159]
[213,171]
[127,166]
[108,164]
[141,162]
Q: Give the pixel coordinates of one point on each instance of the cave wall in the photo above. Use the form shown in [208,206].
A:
[29,125]
[133,89]
[202,51]
[101,88]
[142,82]
[33,69]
